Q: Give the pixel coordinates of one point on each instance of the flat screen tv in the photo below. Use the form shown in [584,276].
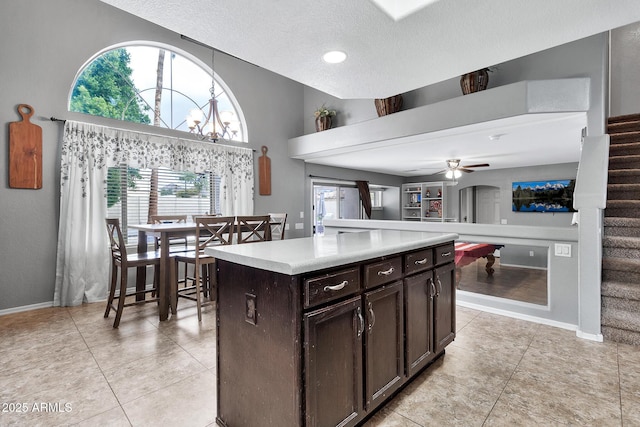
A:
[543,196]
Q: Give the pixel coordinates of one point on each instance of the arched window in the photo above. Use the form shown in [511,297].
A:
[160,87]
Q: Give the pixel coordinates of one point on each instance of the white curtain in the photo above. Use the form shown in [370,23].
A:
[83,259]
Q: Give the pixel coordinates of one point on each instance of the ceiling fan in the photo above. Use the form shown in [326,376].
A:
[454,170]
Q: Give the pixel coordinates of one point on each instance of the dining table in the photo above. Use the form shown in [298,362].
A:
[164,232]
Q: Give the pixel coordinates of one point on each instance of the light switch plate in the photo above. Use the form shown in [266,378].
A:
[562,249]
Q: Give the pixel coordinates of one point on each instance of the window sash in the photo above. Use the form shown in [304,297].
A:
[179,193]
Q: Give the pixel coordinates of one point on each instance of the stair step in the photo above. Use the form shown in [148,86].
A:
[623,191]
[621,319]
[624,162]
[623,208]
[623,126]
[626,227]
[624,176]
[620,335]
[624,290]
[622,304]
[622,270]
[622,242]
[624,118]
[624,149]
[622,222]
[623,137]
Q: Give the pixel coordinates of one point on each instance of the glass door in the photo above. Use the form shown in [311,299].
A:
[332,201]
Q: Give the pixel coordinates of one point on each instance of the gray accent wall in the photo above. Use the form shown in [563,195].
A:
[43,45]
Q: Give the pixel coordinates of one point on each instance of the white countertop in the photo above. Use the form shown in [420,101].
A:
[295,256]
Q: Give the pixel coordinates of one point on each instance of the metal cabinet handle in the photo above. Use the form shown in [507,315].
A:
[445,254]
[439,285]
[361,324]
[337,287]
[420,261]
[386,272]
[432,288]
[372,316]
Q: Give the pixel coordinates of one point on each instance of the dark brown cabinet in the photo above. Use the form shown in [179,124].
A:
[384,342]
[419,294]
[444,306]
[329,347]
[333,360]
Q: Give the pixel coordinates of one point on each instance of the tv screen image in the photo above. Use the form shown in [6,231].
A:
[543,196]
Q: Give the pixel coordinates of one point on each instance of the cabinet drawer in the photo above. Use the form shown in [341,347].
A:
[444,254]
[418,261]
[382,272]
[328,287]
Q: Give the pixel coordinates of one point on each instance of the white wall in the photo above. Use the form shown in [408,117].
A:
[625,63]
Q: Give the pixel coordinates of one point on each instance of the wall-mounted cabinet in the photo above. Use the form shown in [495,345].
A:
[424,201]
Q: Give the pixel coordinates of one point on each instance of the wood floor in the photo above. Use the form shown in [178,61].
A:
[516,283]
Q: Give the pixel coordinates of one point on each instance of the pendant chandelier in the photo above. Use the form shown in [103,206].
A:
[215,125]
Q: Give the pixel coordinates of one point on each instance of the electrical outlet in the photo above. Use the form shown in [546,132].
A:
[299,225]
[531,253]
[301,214]
[503,221]
[251,309]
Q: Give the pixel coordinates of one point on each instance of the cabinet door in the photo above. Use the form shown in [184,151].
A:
[419,291]
[444,306]
[384,342]
[333,364]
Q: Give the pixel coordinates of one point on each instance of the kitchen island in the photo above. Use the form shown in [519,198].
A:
[321,331]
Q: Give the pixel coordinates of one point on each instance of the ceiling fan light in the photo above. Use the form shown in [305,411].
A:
[457,173]
[449,174]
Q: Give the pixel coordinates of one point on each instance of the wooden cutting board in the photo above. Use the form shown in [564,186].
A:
[25,151]
[264,172]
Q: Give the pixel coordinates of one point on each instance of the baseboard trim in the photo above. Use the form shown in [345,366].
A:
[26,308]
[590,337]
[520,316]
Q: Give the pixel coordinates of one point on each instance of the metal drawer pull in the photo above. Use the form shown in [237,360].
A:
[432,288]
[361,319]
[445,254]
[337,287]
[386,272]
[439,285]
[420,261]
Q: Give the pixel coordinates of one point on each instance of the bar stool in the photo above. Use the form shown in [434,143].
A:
[210,231]
[122,261]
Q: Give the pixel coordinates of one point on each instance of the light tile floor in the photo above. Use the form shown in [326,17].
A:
[68,366]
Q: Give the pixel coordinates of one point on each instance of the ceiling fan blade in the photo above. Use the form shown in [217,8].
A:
[479,165]
[442,171]
[465,170]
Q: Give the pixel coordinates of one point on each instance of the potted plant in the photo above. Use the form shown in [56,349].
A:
[323,118]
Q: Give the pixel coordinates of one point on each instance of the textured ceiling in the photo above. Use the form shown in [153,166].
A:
[385,56]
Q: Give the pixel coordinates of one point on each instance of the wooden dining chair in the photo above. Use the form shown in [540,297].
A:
[278,222]
[175,244]
[253,228]
[121,261]
[210,231]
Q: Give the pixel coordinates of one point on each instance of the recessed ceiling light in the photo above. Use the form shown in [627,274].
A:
[334,56]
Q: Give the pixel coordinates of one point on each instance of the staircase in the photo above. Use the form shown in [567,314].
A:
[621,241]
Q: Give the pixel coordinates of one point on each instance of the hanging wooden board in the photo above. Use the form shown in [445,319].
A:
[25,151]
[264,172]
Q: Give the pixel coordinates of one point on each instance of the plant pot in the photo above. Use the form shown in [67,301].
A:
[323,123]
[390,105]
[475,81]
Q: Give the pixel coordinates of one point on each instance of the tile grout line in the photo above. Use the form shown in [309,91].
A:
[510,377]
[101,372]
